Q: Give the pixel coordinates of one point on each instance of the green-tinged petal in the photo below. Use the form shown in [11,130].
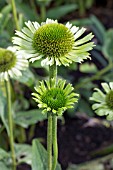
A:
[84,47]
[84,40]
[43,86]
[102,111]
[110,116]
[111,85]
[79,33]
[61,83]
[44,111]
[97,105]
[105,87]
[97,97]
[56,98]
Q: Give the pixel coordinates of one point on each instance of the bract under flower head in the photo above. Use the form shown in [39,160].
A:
[53,43]
[11,63]
[55,99]
[104,101]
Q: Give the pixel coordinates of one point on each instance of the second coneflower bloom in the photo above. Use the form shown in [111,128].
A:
[53,42]
[11,64]
[104,101]
[55,99]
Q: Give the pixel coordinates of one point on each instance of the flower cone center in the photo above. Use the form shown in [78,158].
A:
[109,99]
[7,60]
[54,98]
[53,40]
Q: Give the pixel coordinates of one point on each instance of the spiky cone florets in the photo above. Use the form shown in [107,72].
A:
[104,101]
[55,99]
[53,42]
[11,63]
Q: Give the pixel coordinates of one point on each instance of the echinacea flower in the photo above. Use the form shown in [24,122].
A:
[11,63]
[53,42]
[104,101]
[55,99]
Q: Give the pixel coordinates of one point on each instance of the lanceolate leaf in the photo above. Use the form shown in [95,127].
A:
[39,157]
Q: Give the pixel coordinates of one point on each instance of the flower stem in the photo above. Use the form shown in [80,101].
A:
[52,127]
[15,14]
[43,12]
[55,145]
[53,72]
[95,77]
[10,121]
[49,141]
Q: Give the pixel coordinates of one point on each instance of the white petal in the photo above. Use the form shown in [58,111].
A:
[22,35]
[45,61]
[30,26]
[79,33]
[12,48]
[10,73]
[68,25]
[111,85]
[27,32]
[6,75]
[105,87]
[36,25]
[74,29]
[35,58]
[16,72]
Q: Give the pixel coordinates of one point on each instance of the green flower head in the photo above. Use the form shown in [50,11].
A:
[53,42]
[11,63]
[104,101]
[55,99]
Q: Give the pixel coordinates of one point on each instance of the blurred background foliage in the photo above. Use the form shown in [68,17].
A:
[84,77]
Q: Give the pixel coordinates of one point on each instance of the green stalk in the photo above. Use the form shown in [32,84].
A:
[15,14]
[55,145]
[43,12]
[52,127]
[10,121]
[95,77]
[81,7]
[49,141]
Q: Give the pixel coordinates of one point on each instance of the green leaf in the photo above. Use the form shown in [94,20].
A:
[98,28]
[3,112]
[3,154]
[23,153]
[39,157]
[26,118]
[27,78]
[88,68]
[4,16]
[108,44]
[4,160]
[81,22]
[25,9]
[3,166]
[58,12]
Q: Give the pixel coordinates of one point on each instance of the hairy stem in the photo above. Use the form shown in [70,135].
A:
[15,14]
[55,145]
[95,77]
[10,121]
[49,141]
[52,127]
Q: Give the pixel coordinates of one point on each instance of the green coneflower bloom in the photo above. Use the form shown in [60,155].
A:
[56,98]
[104,105]
[53,43]
[11,63]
